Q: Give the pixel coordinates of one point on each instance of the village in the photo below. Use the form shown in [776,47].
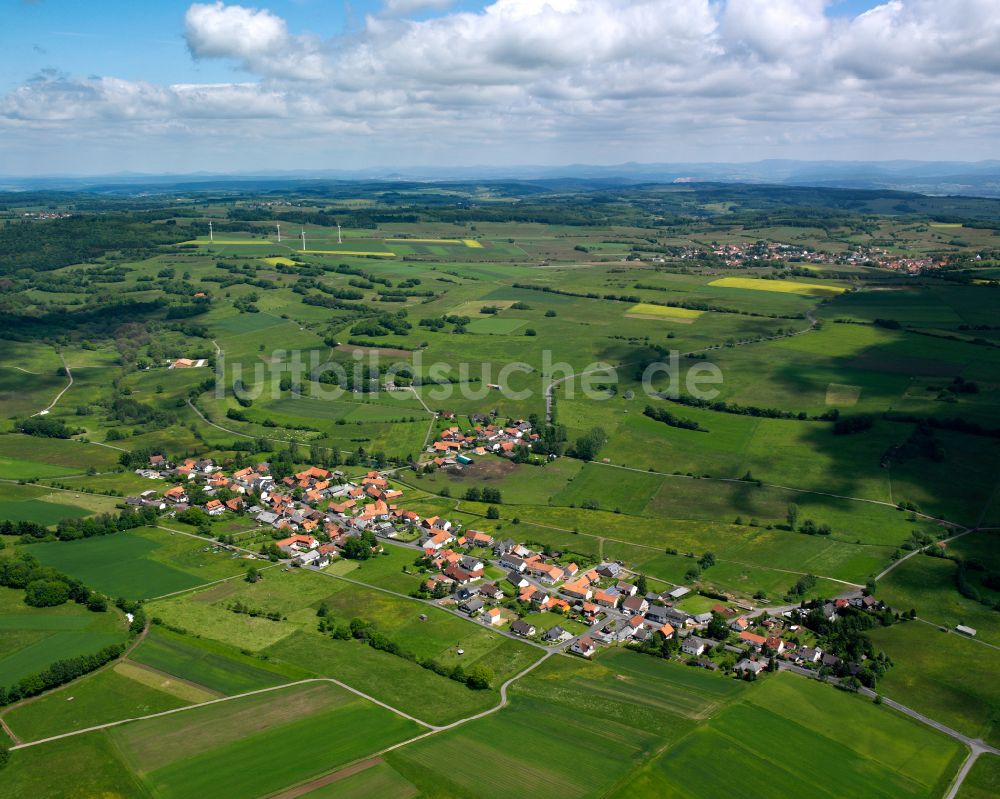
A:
[316,516]
[760,253]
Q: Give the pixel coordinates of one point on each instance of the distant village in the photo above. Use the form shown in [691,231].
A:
[766,252]
[317,516]
[456,448]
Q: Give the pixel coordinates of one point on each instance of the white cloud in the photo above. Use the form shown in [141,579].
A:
[600,80]
[777,29]
[257,38]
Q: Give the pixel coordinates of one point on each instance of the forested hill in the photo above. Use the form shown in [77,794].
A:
[50,244]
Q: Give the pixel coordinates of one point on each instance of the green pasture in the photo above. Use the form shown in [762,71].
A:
[927,585]
[98,698]
[140,563]
[33,638]
[854,746]
[215,666]
[983,780]
[946,676]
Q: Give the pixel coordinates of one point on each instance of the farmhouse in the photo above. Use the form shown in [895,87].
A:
[635,605]
[695,646]
[491,591]
[752,666]
[584,646]
[578,589]
[493,617]
[297,543]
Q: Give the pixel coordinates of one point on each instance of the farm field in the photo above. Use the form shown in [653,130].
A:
[855,745]
[140,563]
[945,676]
[780,286]
[295,643]
[165,760]
[983,780]
[237,737]
[645,310]
[614,724]
[855,419]
[33,638]
[379,779]
[104,696]
[212,666]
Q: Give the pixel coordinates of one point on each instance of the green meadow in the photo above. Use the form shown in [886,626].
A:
[33,638]
[141,563]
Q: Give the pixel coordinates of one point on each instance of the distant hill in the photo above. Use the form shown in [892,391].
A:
[977,179]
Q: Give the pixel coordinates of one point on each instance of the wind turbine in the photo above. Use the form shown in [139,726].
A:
[211,236]
[279,233]
[339,239]
[303,240]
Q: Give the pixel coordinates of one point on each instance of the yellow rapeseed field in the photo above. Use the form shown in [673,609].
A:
[782,286]
[645,310]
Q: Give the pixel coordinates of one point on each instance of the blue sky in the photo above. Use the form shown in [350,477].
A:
[142,39]
[168,85]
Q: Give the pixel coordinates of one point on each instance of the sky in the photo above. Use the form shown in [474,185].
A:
[162,86]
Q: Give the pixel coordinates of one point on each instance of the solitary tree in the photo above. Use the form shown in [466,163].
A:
[793,516]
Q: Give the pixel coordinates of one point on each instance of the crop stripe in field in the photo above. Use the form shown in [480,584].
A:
[316,782]
[257,692]
[881,502]
[240,575]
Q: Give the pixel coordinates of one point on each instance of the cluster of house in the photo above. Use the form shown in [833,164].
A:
[316,509]
[760,639]
[602,598]
[314,514]
[754,253]
[455,446]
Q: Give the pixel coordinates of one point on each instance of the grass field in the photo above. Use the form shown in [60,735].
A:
[89,765]
[46,506]
[32,638]
[139,564]
[572,729]
[107,695]
[945,676]
[213,666]
[27,457]
[983,780]
[927,585]
[225,750]
[495,325]
[780,286]
[854,748]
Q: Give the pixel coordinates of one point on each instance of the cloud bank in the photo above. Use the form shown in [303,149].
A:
[559,80]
